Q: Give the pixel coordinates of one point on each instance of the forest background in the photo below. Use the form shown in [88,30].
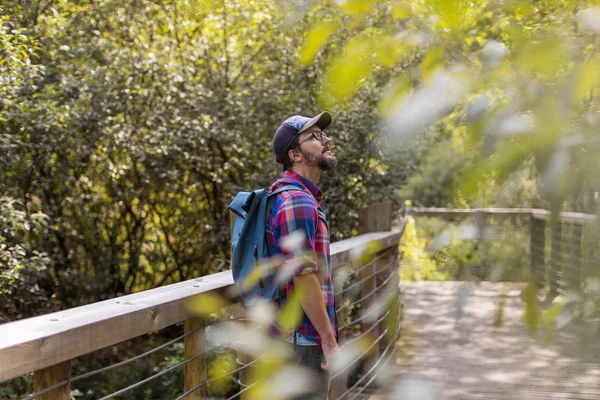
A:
[127,126]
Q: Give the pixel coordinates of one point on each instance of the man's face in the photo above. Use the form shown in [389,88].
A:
[315,146]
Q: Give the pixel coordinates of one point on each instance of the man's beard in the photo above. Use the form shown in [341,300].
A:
[324,162]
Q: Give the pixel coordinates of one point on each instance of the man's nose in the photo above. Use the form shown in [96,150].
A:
[325,140]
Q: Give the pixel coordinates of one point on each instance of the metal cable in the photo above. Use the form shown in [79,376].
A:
[105,369]
[360,356]
[370,263]
[364,279]
[124,362]
[357,320]
[389,345]
[370,370]
[375,324]
[366,296]
[207,382]
[161,373]
[242,391]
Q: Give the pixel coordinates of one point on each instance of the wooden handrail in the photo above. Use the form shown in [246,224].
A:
[39,342]
[568,217]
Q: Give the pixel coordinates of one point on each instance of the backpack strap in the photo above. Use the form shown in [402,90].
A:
[284,189]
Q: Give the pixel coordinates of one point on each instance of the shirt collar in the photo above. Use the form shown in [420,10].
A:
[293,177]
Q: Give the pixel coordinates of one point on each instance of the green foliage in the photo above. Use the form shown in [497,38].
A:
[132,137]
[462,258]
[23,269]
[416,263]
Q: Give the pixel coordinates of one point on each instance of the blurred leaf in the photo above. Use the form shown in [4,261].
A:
[315,40]
[390,51]
[356,7]
[431,62]
[532,313]
[590,19]
[291,313]
[401,10]
[365,253]
[207,303]
[347,71]
[587,78]
[394,95]
[545,55]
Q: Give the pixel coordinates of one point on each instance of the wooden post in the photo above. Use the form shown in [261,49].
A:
[575,275]
[195,371]
[537,243]
[52,375]
[479,220]
[375,218]
[555,256]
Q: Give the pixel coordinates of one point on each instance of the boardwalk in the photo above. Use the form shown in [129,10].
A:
[435,360]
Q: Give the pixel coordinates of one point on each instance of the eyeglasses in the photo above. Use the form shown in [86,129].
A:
[317,134]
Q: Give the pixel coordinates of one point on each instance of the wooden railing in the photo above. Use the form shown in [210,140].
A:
[45,345]
[563,248]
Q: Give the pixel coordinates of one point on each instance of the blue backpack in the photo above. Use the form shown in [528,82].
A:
[249,245]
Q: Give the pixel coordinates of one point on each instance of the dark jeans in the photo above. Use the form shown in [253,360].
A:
[311,357]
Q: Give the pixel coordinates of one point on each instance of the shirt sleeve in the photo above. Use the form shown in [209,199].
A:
[298,216]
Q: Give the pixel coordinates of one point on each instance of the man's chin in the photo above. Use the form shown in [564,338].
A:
[328,163]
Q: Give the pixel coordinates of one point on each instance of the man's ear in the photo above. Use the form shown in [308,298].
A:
[294,155]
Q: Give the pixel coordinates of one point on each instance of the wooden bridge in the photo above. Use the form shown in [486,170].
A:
[449,340]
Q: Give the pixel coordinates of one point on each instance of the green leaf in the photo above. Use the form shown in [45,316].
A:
[206,303]
[432,61]
[532,310]
[588,78]
[401,11]
[315,40]
[291,313]
[545,55]
[347,70]
[356,7]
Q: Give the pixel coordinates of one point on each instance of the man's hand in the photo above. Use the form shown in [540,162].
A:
[331,351]
[314,307]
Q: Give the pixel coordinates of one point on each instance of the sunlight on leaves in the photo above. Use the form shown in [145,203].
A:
[315,40]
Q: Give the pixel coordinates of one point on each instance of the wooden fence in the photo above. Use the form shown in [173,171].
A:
[562,247]
[45,345]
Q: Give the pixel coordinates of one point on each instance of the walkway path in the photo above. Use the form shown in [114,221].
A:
[440,359]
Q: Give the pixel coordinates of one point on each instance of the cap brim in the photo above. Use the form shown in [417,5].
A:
[322,120]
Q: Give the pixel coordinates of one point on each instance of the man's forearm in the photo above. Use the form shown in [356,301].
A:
[314,306]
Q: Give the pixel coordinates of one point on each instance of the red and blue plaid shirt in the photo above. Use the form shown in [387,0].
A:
[296,210]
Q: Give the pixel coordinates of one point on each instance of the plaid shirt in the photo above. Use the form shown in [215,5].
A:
[301,210]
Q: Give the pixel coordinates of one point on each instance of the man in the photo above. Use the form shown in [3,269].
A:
[305,151]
